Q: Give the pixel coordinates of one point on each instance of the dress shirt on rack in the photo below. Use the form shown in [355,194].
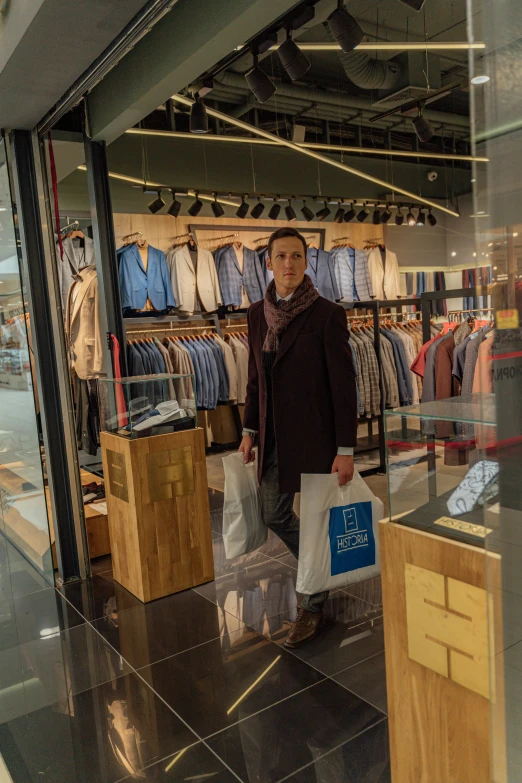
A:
[194,279]
[384,273]
[320,269]
[139,285]
[234,277]
[77,254]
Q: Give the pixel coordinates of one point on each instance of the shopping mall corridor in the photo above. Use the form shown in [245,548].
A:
[96,686]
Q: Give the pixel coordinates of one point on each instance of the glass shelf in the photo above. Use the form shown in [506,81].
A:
[469,408]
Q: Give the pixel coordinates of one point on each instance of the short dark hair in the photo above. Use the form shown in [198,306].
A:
[281,233]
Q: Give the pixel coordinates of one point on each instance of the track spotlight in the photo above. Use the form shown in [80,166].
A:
[275,209]
[175,207]
[217,209]
[349,214]
[363,214]
[376,217]
[399,217]
[259,82]
[198,117]
[157,204]
[423,128]
[292,59]
[242,210]
[196,207]
[289,212]
[386,215]
[344,28]
[421,218]
[307,213]
[432,220]
[410,218]
[323,213]
[339,215]
[257,210]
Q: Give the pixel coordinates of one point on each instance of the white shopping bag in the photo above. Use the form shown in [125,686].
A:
[339,538]
[243,527]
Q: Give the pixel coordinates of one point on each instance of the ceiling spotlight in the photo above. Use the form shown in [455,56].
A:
[363,214]
[399,217]
[217,209]
[307,213]
[423,128]
[242,210]
[415,4]
[258,209]
[196,207]
[410,218]
[157,204]
[339,215]
[259,82]
[175,207]
[198,117]
[376,217]
[432,220]
[344,28]
[349,214]
[386,215]
[289,212]
[323,213]
[275,209]
[421,218]
[292,59]
[480,79]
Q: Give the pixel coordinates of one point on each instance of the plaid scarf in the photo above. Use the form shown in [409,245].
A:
[279,315]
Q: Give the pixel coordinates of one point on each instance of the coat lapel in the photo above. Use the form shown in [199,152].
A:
[236,262]
[138,257]
[292,333]
[188,259]
[87,279]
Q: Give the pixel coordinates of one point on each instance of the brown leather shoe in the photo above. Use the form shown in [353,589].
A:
[305,628]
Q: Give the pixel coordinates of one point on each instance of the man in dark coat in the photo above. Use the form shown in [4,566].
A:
[301,398]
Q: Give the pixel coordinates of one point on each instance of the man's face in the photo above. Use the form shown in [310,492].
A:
[288,262]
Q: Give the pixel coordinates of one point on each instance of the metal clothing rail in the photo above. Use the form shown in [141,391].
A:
[168,320]
[436,296]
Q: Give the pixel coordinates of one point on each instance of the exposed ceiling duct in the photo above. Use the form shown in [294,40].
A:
[367,73]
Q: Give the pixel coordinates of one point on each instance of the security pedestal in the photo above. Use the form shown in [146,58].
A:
[159,516]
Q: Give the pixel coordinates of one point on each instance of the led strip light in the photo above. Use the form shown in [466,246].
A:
[312,154]
[391,46]
[312,145]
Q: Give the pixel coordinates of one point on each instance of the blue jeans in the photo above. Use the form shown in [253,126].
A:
[279,516]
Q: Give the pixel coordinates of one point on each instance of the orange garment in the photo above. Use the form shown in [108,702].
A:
[483,383]
[419,363]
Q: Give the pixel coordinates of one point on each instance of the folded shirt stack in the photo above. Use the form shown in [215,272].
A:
[164,413]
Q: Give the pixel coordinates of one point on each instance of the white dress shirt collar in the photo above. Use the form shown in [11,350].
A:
[284,298]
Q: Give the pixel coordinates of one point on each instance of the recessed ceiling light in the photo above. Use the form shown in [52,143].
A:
[453,254]
[481,79]
[515,234]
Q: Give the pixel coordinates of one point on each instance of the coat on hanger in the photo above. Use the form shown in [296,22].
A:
[385,276]
[186,279]
[83,326]
[137,283]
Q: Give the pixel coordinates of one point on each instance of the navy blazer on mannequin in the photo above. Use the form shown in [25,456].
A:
[136,283]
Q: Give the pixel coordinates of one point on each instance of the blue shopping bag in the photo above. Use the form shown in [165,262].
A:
[352,542]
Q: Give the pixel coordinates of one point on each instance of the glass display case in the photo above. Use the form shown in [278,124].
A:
[146,405]
[443,468]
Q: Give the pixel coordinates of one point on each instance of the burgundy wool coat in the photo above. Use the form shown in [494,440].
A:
[314,391]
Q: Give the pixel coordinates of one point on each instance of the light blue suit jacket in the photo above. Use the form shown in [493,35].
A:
[136,284]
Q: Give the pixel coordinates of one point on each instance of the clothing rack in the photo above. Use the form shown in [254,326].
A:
[129,239]
[456,293]
[174,319]
[74,226]
[474,310]
[318,232]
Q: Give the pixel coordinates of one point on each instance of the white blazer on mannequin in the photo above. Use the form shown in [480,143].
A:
[83,326]
[386,279]
[183,277]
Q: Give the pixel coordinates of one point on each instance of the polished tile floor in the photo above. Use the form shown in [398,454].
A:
[96,687]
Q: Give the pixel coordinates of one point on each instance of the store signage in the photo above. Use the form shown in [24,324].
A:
[170,473]
[352,543]
[507,319]
[117,475]
[447,622]
[463,527]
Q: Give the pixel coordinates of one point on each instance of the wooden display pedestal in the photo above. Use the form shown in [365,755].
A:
[159,516]
[444,676]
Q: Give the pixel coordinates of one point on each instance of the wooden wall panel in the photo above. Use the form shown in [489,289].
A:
[160,229]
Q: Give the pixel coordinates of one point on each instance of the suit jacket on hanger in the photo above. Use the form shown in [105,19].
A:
[386,279]
[74,257]
[321,270]
[232,278]
[138,284]
[83,326]
[185,278]
[347,278]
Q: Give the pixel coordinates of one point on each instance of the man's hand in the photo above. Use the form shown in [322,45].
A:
[344,467]
[247,444]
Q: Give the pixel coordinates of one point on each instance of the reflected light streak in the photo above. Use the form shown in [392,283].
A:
[245,694]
